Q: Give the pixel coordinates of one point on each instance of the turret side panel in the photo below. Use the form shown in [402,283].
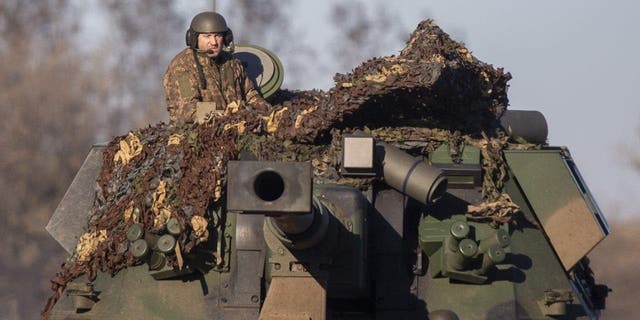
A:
[558,202]
[69,220]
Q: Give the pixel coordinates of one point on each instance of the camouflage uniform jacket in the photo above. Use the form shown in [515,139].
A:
[226,81]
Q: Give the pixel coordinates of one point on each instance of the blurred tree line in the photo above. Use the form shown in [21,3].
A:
[60,95]
[615,260]
[57,99]
[48,108]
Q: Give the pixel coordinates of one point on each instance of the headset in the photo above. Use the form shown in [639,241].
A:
[191,38]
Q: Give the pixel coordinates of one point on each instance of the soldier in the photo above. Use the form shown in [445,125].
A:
[204,78]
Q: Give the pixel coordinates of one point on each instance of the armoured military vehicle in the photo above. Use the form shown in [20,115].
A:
[394,228]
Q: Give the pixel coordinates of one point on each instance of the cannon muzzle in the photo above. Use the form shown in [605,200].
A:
[282,191]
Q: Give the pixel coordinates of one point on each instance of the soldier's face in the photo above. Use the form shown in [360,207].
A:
[211,42]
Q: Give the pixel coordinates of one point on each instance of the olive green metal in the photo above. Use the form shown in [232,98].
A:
[157,261]
[292,225]
[263,66]
[136,295]
[538,258]
[560,200]
[139,249]
[209,22]
[276,81]
[431,234]
[495,255]
[135,232]
[470,155]
[555,302]
[491,257]
[83,296]
[344,244]
[448,286]
[301,231]
[498,239]
[413,177]
[453,244]
[468,248]
[460,230]
[443,315]
[459,259]
[166,243]
[173,226]
[82,303]
[557,309]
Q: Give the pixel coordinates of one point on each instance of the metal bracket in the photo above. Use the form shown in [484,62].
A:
[83,295]
[554,302]
[243,288]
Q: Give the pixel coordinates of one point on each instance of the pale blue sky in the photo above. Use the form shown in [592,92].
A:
[575,61]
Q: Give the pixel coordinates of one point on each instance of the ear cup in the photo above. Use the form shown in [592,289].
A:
[228,37]
[191,38]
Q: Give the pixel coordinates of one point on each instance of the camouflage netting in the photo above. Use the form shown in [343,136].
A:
[434,92]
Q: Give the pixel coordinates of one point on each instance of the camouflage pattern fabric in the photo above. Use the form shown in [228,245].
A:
[226,82]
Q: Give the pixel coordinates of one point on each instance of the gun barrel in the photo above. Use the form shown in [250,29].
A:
[282,191]
[293,225]
[269,187]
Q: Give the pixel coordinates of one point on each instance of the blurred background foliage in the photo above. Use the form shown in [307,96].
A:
[58,96]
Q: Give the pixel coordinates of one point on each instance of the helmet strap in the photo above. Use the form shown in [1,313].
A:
[203,82]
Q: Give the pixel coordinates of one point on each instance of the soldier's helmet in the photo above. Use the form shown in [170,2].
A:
[207,22]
